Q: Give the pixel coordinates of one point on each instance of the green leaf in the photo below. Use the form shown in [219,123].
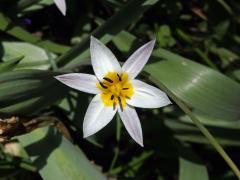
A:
[22,4]
[34,57]
[225,6]
[56,157]
[225,55]
[124,41]
[28,6]
[10,64]
[191,167]
[200,126]
[236,74]
[221,29]
[164,36]
[184,36]
[29,91]
[203,89]
[133,165]
[189,133]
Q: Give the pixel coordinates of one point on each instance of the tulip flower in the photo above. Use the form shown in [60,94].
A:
[116,89]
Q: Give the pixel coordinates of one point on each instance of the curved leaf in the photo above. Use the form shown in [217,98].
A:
[28,91]
[34,57]
[10,64]
[203,89]
[191,167]
[59,158]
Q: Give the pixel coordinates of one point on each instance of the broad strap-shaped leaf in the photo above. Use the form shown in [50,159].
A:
[190,165]
[56,157]
[205,90]
[34,57]
[29,91]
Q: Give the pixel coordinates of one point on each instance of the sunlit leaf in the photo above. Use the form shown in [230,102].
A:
[202,88]
[60,158]
[191,167]
[34,57]
[10,64]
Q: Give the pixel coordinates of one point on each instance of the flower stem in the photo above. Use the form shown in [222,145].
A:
[201,127]
[116,149]
[118,129]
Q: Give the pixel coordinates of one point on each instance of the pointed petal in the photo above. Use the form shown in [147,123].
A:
[103,60]
[138,59]
[97,116]
[132,124]
[146,96]
[80,81]
[61,4]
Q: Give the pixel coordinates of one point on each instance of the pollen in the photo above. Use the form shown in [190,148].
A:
[115,88]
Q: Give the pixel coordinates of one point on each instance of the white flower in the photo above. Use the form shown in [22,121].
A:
[116,89]
[61,5]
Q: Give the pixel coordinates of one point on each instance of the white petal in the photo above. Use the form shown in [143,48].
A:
[61,4]
[81,82]
[147,96]
[138,59]
[97,116]
[103,60]
[132,123]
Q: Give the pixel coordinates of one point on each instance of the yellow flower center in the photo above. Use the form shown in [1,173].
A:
[115,89]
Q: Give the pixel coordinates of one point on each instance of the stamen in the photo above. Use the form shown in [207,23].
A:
[119,77]
[103,86]
[112,97]
[108,79]
[120,103]
[125,88]
[127,97]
